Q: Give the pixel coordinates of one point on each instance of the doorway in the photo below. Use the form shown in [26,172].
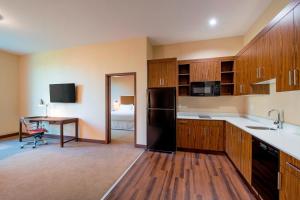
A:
[121,108]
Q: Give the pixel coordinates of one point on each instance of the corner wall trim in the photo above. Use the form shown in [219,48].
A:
[8,135]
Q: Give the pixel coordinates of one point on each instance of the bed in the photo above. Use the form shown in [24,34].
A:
[123,118]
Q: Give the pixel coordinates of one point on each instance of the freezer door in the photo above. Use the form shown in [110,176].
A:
[161,130]
[164,98]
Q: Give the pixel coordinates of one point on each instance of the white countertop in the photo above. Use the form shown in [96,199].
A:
[286,139]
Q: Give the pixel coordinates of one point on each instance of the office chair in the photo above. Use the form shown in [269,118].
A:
[34,131]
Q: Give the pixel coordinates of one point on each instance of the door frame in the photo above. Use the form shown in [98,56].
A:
[108,104]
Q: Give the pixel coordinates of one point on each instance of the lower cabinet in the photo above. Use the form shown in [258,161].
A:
[200,134]
[239,149]
[290,177]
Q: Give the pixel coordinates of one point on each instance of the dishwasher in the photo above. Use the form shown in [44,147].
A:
[265,169]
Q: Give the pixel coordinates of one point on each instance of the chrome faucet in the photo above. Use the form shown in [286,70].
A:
[279,120]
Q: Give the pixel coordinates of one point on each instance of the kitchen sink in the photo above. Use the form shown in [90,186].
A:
[204,116]
[261,128]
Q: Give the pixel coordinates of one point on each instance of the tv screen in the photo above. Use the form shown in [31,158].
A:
[62,93]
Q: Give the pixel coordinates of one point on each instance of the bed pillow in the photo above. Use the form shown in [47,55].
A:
[125,107]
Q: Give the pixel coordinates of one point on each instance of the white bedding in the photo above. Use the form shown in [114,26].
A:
[122,119]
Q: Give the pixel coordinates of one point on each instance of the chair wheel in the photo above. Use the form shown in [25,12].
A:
[22,147]
[33,147]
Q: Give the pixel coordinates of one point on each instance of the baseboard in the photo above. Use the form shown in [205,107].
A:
[91,140]
[142,146]
[8,135]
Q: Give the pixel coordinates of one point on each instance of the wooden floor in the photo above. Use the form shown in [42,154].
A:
[181,176]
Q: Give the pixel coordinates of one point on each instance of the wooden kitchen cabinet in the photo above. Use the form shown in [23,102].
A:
[184,138]
[284,35]
[200,135]
[297,47]
[262,68]
[162,73]
[209,135]
[246,155]
[290,177]
[205,71]
[239,149]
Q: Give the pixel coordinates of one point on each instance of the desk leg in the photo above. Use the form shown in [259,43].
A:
[76,131]
[20,132]
[61,135]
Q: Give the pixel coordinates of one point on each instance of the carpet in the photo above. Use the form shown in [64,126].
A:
[80,171]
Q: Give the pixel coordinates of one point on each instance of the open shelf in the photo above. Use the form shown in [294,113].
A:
[227,66]
[184,90]
[227,78]
[184,79]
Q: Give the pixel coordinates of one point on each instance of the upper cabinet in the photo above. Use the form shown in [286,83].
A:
[297,45]
[275,53]
[283,34]
[162,73]
[205,71]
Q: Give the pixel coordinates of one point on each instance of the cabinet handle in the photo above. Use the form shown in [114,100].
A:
[295,77]
[260,76]
[290,77]
[160,81]
[163,81]
[293,167]
[278,180]
[257,72]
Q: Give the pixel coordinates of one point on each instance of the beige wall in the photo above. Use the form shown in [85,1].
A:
[289,102]
[121,86]
[274,8]
[225,104]
[86,66]
[9,89]
[200,49]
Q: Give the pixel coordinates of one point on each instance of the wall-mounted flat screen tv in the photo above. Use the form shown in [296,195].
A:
[62,93]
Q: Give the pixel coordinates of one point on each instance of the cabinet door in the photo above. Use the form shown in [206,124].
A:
[290,177]
[290,185]
[185,138]
[238,76]
[283,34]
[205,71]
[246,155]
[200,133]
[154,74]
[297,46]
[236,145]
[229,140]
[216,138]
[208,135]
[169,74]
[263,63]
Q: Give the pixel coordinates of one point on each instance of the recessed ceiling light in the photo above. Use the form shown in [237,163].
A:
[213,22]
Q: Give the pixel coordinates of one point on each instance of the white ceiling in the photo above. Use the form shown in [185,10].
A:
[39,25]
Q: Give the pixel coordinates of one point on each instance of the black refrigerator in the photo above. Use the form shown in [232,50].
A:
[161,120]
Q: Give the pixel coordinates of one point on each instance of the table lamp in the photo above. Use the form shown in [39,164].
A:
[42,103]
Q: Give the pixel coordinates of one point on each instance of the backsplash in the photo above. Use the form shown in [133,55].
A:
[223,104]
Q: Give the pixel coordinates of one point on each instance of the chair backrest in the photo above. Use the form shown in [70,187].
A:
[27,125]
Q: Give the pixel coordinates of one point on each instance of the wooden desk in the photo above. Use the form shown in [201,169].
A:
[54,120]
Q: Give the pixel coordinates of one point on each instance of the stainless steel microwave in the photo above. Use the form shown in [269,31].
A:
[207,88]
